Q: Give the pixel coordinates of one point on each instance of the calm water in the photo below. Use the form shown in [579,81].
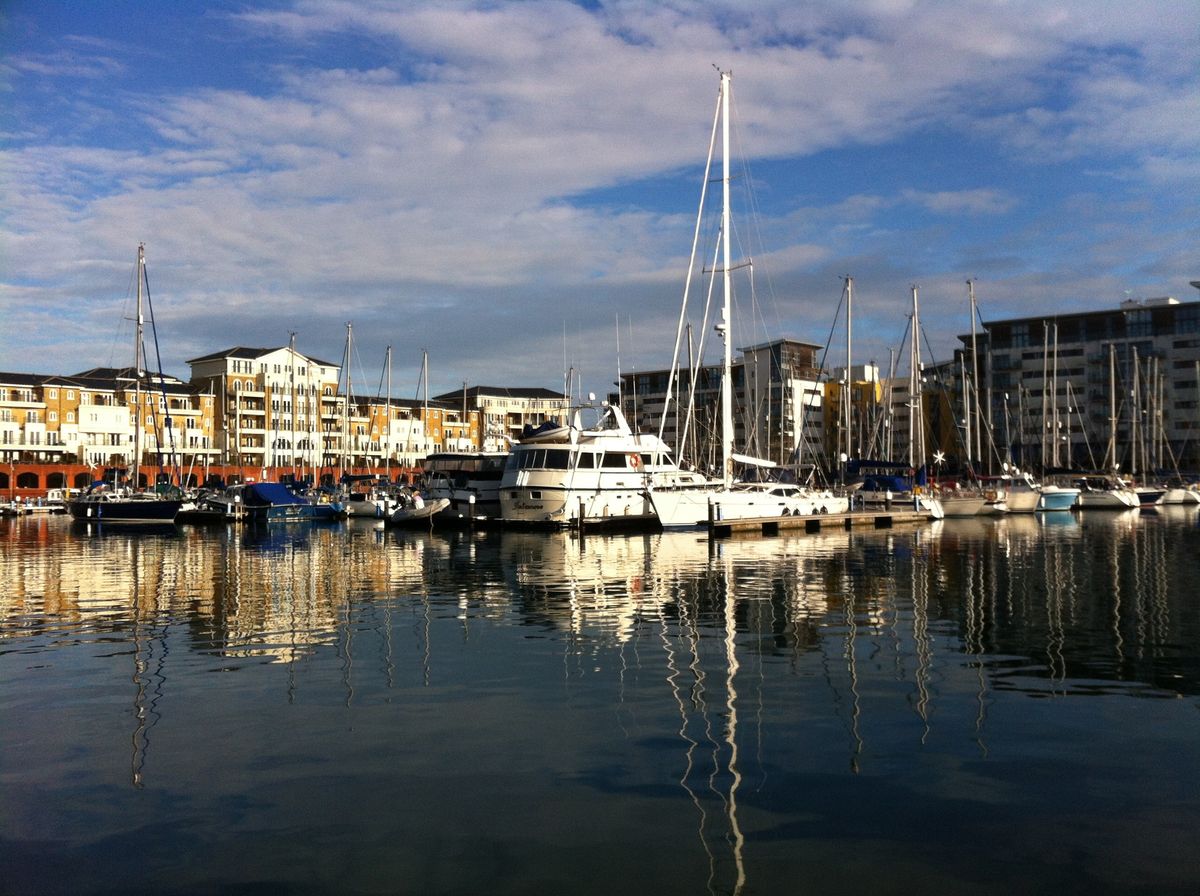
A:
[971,706]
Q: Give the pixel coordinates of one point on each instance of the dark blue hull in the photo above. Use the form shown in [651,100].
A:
[120,509]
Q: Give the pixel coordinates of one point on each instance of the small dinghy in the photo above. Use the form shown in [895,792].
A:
[416,512]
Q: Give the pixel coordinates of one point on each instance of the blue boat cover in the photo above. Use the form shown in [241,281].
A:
[260,494]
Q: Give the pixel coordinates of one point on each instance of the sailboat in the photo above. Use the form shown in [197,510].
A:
[1108,491]
[112,500]
[722,498]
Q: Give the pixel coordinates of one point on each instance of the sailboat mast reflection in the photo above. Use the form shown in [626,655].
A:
[731,668]
[148,652]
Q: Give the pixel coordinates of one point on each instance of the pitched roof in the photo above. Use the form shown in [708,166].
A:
[241,351]
[21,379]
[126,373]
[503,391]
[238,351]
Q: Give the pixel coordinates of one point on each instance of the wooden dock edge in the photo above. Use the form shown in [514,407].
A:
[817,523]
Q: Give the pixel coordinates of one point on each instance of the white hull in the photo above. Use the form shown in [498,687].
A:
[962,505]
[1022,500]
[689,508]
[553,505]
[1108,499]
[598,475]
[1180,496]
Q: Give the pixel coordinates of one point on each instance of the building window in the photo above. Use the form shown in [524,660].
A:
[1138,323]
[53,393]
[52,416]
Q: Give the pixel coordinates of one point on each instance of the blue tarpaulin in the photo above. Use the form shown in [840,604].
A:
[261,494]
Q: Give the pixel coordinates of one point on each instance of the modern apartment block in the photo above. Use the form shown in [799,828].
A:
[778,401]
[1112,389]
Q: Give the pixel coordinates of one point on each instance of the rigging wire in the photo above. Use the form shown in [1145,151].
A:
[172,457]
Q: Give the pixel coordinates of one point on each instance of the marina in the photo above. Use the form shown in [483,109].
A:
[1000,704]
[869,570]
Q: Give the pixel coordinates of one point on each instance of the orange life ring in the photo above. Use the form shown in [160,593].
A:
[635,460]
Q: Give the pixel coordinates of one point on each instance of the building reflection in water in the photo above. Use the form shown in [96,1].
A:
[935,621]
[1018,587]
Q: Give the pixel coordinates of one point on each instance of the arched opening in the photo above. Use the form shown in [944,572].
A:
[3,480]
[28,480]
[83,480]
[56,480]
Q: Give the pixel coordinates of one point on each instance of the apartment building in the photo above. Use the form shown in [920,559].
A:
[277,407]
[1106,389]
[90,418]
[500,414]
[778,397]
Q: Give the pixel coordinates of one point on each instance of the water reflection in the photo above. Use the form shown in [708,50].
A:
[1080,601]
[718,688]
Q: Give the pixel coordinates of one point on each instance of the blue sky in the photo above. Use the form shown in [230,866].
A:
[509,185]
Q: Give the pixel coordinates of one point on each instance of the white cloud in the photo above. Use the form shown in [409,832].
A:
[982,201]
[457,168]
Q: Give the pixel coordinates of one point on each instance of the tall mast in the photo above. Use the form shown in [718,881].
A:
[295,404]
[916,422]
[1045,388]
[1135,413]
[387,432]
[1054,397]
[723,326]
[1160,437]
[1110,455]
[912,382]
[890,435]
[137,370]
[346,406]
[682,442]
[425,405]
[966,400]
[975,375]
[849,409]
[620,404]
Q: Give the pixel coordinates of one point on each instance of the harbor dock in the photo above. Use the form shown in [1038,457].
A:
[773,525]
